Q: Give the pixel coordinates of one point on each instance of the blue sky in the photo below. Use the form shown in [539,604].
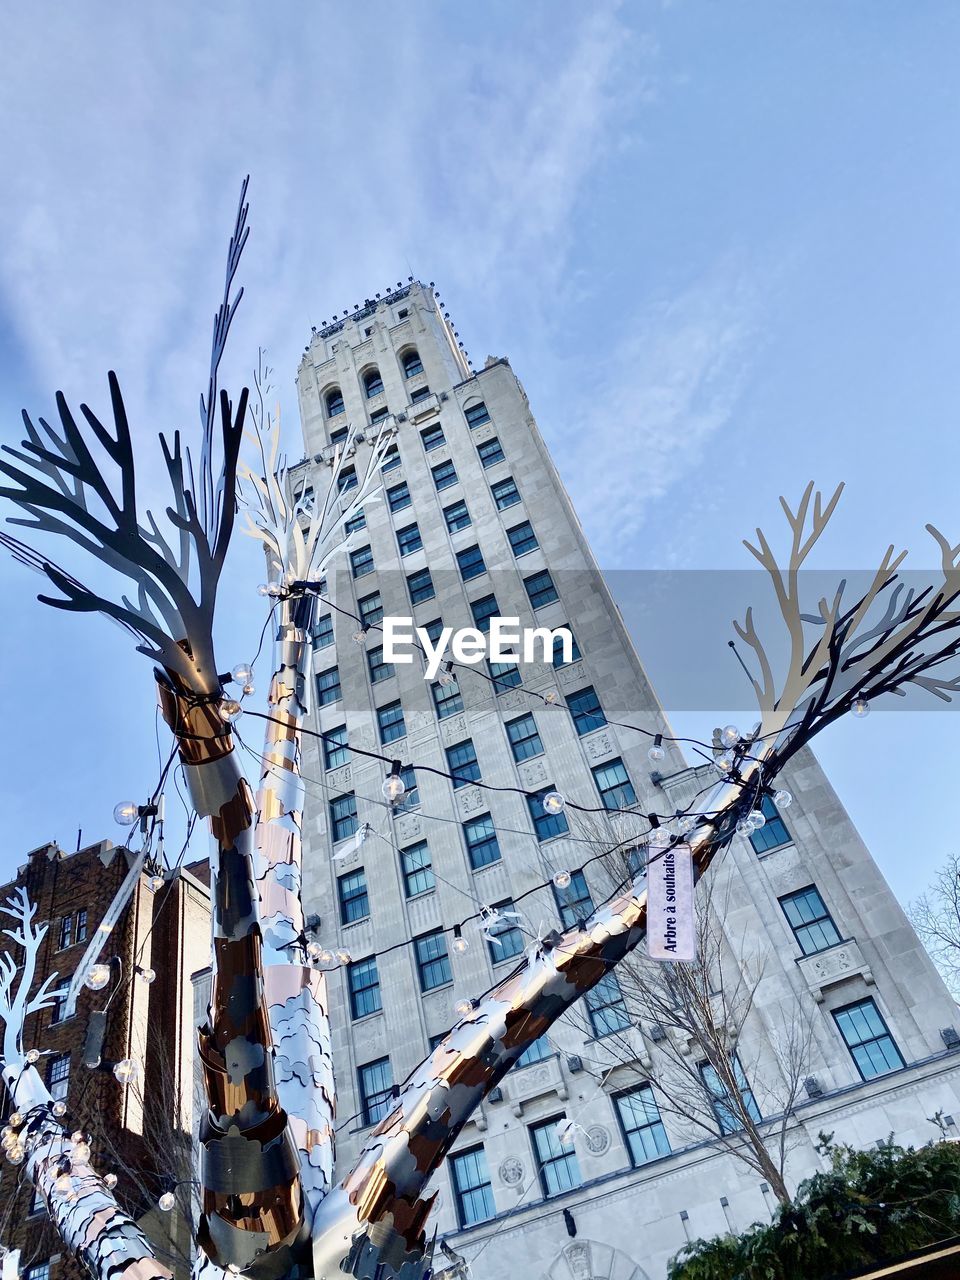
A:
[718,242]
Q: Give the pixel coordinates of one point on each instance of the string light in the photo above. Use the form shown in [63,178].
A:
[656,753]
[148,975]
[724,762]
[98,977]
[730,735]
[562,879]
[230,709]
[126,813]
[242,673]
[783,799]
[460,943]
[110,1181]
[463,1007]
[33,1055]
[860,708]
[344,956]
[167,1201]
[59,1108]
[757,818]
[393,785]
[249,688]
[553,802]
[314,950]
[155,883]
[360,637]
[126,1071]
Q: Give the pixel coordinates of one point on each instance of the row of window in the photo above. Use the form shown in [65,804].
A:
[372,383]
[641,1124]
[470,560]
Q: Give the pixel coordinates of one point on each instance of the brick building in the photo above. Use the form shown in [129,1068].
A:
[142,1132]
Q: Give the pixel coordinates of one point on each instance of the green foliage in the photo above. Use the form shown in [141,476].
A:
[869,1207]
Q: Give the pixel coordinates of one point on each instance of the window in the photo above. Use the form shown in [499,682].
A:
[505,675]
[433,630]
[399,496]
[328,686]
[378,416]
[361,561]
[574,901]
[59,994]
[343,816]
[522,538]
[447,699]
[305,497]
[379,670]
[575,654]
[66,932]
[421,586]
[505,493]
[523,738]
[489,452]
[81,929]
[470,563]
[58,1076]
[433,963]
[372,383]
[559,1170]
[483,610]
[444,475]
[334,399]
[402,313]
[508,937]
[774,831]
[432,437]
[606,1007]
[584,706]
[390,721]
[471,1185]
[421,393]
[363,982]
[376,1090]
[411,793]
[865,1034]
[355,523]
[391,459]
[457,516]
[417,869]
[347,480]
[338,436]
[462,762]
[810,920]
[476,413]
[371,608]
[540,589]
[412,364]
[727,1112]
[535,1052]
[323,632]
[408,539]
[39,1270]
[353,897]
[642,1127]
[614,785]
[481,838]
[546,825]
[335,751]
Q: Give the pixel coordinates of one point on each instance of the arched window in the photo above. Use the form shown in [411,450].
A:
[372,383]
[412,364]
[334,400]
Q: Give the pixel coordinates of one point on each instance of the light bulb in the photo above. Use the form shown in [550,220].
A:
[16,1119]
[344,956]
[167,1201]
[126,1070]
[80,1152]
[562,879]
[249,688]
[59,1108]
[126,813]
[314,950]
[723,762]
[360,637]
[860,708]
[148,975]
[551,698]
[77,1135]
[242,673]
[98,977]
[33,1055]
[463,1007]
[744,827]
[325,957]
[757,818]
[656,753]
[263,589]
[783,799]
[109,1181]
[460,944]
[553,802]
[730,735]
[63,1184]
[16,1155]
[687,824]
[155,884]
[393,788]
[230,709]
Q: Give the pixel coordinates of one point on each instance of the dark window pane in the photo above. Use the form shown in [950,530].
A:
[328,686]
[481,838]
[505,493]
[471,1182]
[540,589]
[614,785]
[334,402]
[412,364]
[573,900]
[417,868]
[447,699]
[433,963]
[462,763]
[810,920]
[475,414]
[522,538]
[408,539]
[457,516]
[584,706]
[335,751]
[420,585]
[390,722]
[865,1034]
[559,1170]
[399,496]
[523,738]
[376,1090]
[363,981]
[490,452]
[379,670]
[546,824]
[470,563]
[323,632]
[642,1126]
[774,831]
[432,437]
[361,561]
[343,816]
[371,608]
[352,893]
[444,475]
[372,383]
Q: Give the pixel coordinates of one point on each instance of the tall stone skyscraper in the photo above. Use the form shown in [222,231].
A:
[474,523]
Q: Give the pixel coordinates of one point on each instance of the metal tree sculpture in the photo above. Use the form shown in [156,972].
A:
[266,1140]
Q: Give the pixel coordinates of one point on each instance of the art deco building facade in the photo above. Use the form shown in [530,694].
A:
[142,1133]
[474,522]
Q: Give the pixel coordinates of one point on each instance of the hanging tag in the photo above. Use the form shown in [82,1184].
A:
[670,931]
